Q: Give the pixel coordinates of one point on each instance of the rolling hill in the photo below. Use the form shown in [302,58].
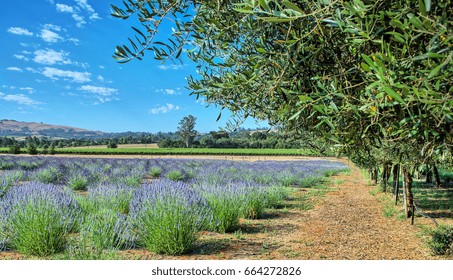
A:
[12,128]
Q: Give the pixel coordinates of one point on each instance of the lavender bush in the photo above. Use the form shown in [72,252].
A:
[50,175]
[256,200]
[4,231]
[175,175]
[8,179]
[37,218]
[6,165]
[155,171]
[29,165]
[227,204]
[78,182]
[167,216]
[105,230]
[115,197]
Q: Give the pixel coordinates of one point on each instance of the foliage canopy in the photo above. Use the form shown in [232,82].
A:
[186,130]
[372,76]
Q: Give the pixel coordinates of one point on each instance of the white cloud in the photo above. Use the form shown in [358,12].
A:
[171,67]
[100,78]
[21,57]
[95,16]
[65,8]
[17,69]
[79,11]
[104,91]
[87,7]
[169,91]
[20,31]
[19,98]
[74,40]
[102,94]
[31,70]
[164,109]
[84,4]
[50,36]
[50,57]
[79,19]
[74,76]
[29,89]
[52,27]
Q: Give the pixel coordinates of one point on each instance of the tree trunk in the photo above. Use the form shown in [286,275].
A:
[429,176]
[409,207]
[436,176]
[396,181]
[385,176]
[375,175]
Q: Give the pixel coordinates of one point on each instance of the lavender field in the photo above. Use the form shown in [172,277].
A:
[86,208]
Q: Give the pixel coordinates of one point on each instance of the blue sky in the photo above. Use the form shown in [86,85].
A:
[57,68]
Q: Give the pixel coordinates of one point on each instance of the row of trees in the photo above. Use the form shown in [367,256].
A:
[253,140]
[122,138]
[373,77]
[242,138]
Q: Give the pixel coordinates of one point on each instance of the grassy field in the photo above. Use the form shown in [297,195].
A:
[179,151]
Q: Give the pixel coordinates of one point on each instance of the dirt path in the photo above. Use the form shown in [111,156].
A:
[350,225]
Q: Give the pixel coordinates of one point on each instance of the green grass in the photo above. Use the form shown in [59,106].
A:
[388,207]
[429,198]
[447,175]
[307,198]
[441,242]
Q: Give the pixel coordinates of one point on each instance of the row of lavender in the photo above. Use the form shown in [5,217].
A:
[159,204]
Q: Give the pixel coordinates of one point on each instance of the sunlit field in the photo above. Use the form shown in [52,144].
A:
[88,208]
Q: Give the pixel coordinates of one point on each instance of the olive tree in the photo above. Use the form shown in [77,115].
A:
[372,76]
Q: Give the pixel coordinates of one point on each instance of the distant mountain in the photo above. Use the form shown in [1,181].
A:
[14,128]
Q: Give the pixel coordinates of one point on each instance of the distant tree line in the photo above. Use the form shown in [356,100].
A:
[241,138]
[120,138]
[250,139]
